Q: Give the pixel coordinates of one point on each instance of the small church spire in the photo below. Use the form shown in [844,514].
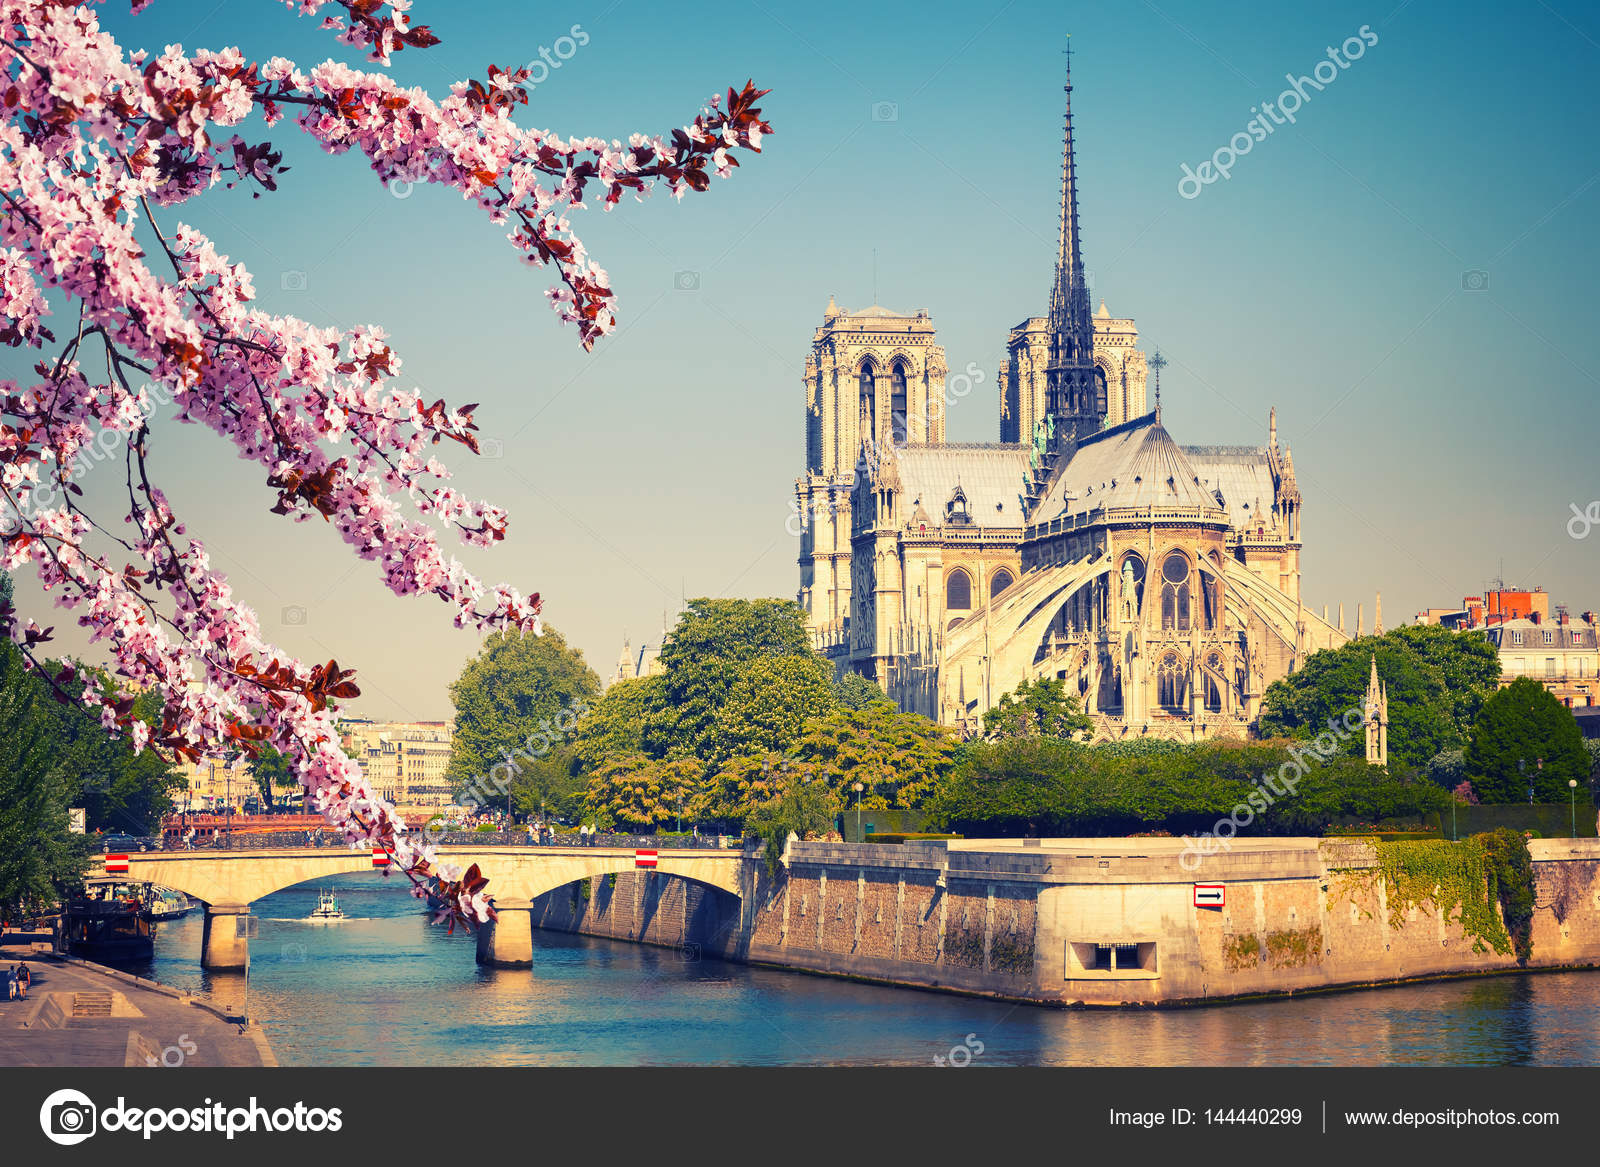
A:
[1377,718]
[1377,616]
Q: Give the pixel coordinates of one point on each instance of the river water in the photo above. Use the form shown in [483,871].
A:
[388,988]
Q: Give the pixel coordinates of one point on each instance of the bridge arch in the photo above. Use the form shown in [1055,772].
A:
[228,882]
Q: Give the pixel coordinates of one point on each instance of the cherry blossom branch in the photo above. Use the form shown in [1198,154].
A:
[92,140]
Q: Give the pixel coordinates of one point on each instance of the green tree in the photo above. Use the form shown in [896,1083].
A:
[1015,786]
[897,757]
[1468,662]
[1437,680]
[551,785]
[614,728]
[118,789]
[740,784]
[520,695]
[642,792]
[767,706]
[1524,737]
[39,857]
[1447,768]
[1038,708]
[1036,785]
[272,771]
[800,806]
[705,655]
[853,691]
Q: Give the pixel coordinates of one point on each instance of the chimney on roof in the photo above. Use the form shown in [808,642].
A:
[1562,617]
[1586,617]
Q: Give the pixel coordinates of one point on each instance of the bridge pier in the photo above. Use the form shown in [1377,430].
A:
[221,945]
[507,942]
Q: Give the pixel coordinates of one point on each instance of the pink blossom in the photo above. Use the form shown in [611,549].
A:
[94,142]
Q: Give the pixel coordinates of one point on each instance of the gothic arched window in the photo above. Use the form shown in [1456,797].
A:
[1002,580]
[897,404]
[869,405]
[958,591]
[1175,593]
[1172,685]
[1211,590]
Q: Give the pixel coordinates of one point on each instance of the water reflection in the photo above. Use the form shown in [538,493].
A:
[388,988]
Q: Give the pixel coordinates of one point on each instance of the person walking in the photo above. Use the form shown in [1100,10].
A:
[24,978]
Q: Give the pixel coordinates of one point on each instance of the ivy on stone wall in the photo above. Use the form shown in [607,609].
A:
[1511,882]
[1464,881]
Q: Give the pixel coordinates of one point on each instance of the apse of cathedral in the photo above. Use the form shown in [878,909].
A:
[1161,582]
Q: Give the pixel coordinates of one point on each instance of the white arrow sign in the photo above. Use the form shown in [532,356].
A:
[1210,895]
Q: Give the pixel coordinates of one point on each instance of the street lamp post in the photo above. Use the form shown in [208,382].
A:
[857,788]
[1572,797]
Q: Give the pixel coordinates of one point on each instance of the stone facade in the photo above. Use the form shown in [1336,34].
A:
[951,573]
[1087,921]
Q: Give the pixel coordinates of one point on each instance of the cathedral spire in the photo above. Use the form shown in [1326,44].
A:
[1076,392]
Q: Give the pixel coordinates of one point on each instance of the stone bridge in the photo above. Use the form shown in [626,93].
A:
[227,882]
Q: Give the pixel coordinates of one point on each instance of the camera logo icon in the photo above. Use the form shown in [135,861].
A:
[294,954]
[686,281]
[294,281]
[885,111]
[491,448]
[67,1117]
[294,615]
[1474,281]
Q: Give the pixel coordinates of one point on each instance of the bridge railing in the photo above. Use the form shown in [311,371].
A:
[273,840]
[637,842]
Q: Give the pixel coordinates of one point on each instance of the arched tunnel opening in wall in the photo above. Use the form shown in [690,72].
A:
[647,907]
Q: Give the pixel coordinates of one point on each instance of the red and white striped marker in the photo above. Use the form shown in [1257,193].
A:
[116,864]
[644,858]
[380,857]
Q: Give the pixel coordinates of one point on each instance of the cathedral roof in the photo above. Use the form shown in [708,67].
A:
[877,311]
[1242,474]
[990,476]
[1136,464]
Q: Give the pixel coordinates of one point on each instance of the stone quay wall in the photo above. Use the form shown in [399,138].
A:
[1085,921]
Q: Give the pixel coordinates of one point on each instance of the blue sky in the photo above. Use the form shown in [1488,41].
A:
[1442,426]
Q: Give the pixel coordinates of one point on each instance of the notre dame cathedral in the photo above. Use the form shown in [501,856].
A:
[1161,582]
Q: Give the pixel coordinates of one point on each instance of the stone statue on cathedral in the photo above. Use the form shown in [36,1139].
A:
[1130,595]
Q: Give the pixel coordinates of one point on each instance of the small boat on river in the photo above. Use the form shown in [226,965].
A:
[327,910]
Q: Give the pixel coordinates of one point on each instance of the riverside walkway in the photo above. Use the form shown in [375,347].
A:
[81,1014]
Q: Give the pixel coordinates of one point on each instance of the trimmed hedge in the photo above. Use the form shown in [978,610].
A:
[898,837]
